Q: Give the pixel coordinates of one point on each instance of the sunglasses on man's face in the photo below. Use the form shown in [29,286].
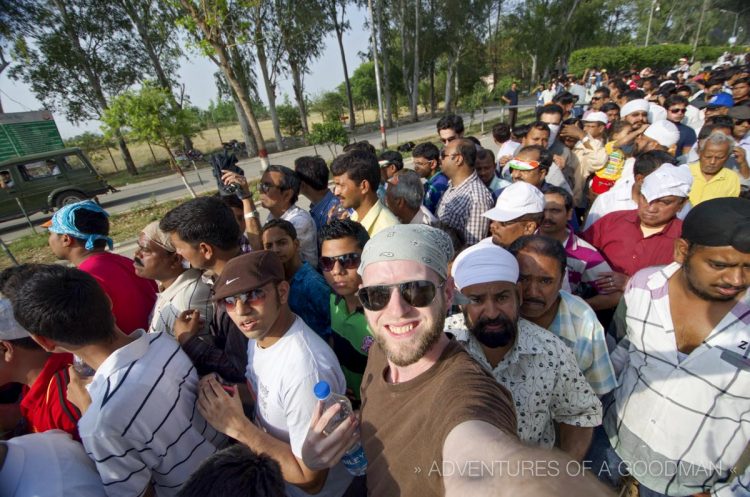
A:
[678,110]
[252,297]
[419,293]
[266,187]
[347,261]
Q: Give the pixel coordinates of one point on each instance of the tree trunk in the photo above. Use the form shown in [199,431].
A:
[404,69]
[533,69]
[415,76]
[247,134]
[138,21]
[93,80]
[299,95]
[112,159]
[177,168]
[449,83]
[433,96]
[222,60]
[152,151]
[340,36]
[270,89]
[384,58]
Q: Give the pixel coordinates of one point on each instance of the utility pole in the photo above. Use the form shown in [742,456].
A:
[698,31]
[650,18]
[383,142]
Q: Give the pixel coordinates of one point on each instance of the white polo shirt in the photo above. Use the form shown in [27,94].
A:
[48,463]
[143,424]
[188,291]
[282,377]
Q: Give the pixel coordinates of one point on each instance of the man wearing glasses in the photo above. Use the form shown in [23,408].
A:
[676,106]
[467,198]
[342,242]
[286,359]
[426,162]
[428,409]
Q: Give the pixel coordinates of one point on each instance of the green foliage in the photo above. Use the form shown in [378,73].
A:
[148,115]
[87,141]
[331,105]
[289,118]
[328,133]
[364,90]
[654,56]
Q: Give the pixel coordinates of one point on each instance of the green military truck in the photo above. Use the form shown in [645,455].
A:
[47,181]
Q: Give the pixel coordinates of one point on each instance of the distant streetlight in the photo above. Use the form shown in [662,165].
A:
[733,38]
[654,6]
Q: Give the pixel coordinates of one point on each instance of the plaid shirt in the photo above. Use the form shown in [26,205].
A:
[577,325]
[681,420]
[462,208]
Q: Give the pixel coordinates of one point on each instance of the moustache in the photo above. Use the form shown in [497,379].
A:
[137,262]
[495,338]
[533,301]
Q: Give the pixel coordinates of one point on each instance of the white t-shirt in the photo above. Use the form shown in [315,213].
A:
[282,377]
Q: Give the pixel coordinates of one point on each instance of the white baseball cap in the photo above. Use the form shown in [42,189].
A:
[598,117]
[664,132]
[9,327]
[517,200]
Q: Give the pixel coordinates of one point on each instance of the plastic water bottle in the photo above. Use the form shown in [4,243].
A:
[354,460]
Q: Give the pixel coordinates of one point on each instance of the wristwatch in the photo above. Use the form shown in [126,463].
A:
[252,214]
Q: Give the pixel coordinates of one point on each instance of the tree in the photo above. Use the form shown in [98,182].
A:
[81,54]
[339,26]
[330,105]
[289,118]
[150,116]
[302,26]
[206,21]
[330,134]
[16,20]
[156,36]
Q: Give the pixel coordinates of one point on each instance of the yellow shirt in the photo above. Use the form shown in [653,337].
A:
[377,218]
[725,184]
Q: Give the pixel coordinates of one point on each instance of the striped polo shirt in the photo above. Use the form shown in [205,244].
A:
[680,422]
[143,425]
[585,264]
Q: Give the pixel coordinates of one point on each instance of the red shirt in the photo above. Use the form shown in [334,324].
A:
[133,297]
[45,404]
[619,238]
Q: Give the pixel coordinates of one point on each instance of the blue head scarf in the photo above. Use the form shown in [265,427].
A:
[63,223]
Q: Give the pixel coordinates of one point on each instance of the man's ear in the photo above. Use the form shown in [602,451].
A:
[206,250]
[681,247]
[7,350]
[66,240]
[283,288]
[365,187]
[47,344]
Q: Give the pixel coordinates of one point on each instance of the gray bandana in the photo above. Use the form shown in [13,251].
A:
[410,242]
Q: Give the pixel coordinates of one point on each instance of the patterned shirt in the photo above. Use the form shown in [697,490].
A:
[497,185]
[577,325]
[462,208]
[688,418]
[308,298]
[543,377]
[319,211]
[584,263]
[433,191]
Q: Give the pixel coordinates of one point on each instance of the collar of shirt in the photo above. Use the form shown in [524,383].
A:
[371,215]
[119,359]
[435,176]
[337,302]
[178,285]
[472,177]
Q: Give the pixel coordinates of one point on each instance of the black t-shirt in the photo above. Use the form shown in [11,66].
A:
[512,96]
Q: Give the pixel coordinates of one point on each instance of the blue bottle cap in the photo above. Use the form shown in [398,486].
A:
[322,390]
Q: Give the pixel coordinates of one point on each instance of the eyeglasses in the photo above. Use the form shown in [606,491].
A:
[266,187]
[422,163]
[449,139]
[252,297]
[347,261]
[419,293]
[596,98]
[443,154]
[678,110]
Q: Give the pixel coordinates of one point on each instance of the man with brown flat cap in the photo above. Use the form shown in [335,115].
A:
[679,418]
[285,360]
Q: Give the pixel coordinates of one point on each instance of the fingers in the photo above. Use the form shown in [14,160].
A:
[327,416]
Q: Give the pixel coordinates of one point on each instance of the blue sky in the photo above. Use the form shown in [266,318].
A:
[197,74]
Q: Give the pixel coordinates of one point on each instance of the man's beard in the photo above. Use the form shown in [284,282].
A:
[403,357]
[494,339]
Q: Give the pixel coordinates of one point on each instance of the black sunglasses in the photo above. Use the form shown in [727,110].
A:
[347,261]
[678,111]
[419,293]
[266,187]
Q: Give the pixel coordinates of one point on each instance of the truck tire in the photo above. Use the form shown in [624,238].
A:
[68,197]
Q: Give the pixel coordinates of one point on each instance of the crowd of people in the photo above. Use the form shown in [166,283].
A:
[564,315]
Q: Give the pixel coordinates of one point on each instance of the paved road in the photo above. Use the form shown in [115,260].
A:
[171,187]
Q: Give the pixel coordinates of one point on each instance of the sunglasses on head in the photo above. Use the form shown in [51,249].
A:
[419,293]
[347,261]
[251,297]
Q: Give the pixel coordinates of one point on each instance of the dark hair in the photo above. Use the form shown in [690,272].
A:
[621,86]
[484,153]
[458,240]
[64,304]
[616,127]
[475,140]
[603,90]
[549,109]
[713,82]
[363,146]
[564,98]
[501,132]
[675,99]
[745,80]
[681,88]
[565,194]
[543,245]
[631,95]
[545,156]
[283,225]
[468,151]
[92,223]
[573,121]
[312,171]
[231,201]
[648,162]
[394,158]
[520,131]
[289,180]
[610,106]
[337,229]
[236,471]
[427,150]
[359,166]
[538,125]
[203,220]
[719,121]
[451,121]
